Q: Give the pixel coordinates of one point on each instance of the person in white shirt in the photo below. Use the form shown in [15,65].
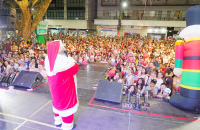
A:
[166,59]
[159,80]
[12,64]
[22,66]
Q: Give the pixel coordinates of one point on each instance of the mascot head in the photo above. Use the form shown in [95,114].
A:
[193,23]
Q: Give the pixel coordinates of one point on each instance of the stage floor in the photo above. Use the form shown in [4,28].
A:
[22,110]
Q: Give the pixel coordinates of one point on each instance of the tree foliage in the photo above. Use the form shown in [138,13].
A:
[28,24]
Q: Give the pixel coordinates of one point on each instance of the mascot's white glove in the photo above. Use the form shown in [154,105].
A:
[177,71]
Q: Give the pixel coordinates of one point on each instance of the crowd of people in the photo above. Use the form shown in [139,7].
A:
[140,64]
[143,65]
[25,56]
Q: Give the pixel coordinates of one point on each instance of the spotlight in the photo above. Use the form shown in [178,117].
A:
[124,4]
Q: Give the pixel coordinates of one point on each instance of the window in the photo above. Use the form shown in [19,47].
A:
[105,13]
[159,15]
[168,15]
[57,3]
[152,13]
[108,2]
[135,13]
[55,14]
[75,3]
[76,9]
[78,14]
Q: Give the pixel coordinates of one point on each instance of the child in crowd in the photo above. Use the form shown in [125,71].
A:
[27,63]
[4,54]
[129,81]
[152,88]
[159,81]
[165,95]
[140,86]
[85,60]
[160,92]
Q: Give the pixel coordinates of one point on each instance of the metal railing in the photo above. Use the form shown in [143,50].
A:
[140,18]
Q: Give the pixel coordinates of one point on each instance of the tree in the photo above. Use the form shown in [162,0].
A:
[28,24]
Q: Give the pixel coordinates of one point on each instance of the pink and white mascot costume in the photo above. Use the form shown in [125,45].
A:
[61,71]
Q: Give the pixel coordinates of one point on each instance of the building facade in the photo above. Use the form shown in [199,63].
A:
[71,16]
[7,21]
[146,18]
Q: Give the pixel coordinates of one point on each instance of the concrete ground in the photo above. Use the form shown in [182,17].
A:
[21,110]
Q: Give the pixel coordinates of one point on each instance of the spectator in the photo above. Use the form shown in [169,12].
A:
[32,67]
[22,66]
[27,63]
[2,69]
[42,71]
[143,75]
[166,94]
[152,88]
[14,47]
[160,92]
[8,46]
[169,75]
[151,77]
[4,54]
[150,68]
[156,62]
[176,84]
[140,86]
[129,80]
[12,64]
[34,41]
[159,80]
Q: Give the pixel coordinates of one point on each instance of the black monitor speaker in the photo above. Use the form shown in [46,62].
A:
[109,91]
[28,80]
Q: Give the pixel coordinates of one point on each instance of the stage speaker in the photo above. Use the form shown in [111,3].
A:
[28,80]
[109,91]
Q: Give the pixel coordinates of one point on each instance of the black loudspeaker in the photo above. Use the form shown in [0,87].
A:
[109,91]
[28,80]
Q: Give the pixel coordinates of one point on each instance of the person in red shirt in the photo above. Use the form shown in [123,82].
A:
[8,46]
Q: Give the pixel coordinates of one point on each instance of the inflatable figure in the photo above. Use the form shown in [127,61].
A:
[187,63]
